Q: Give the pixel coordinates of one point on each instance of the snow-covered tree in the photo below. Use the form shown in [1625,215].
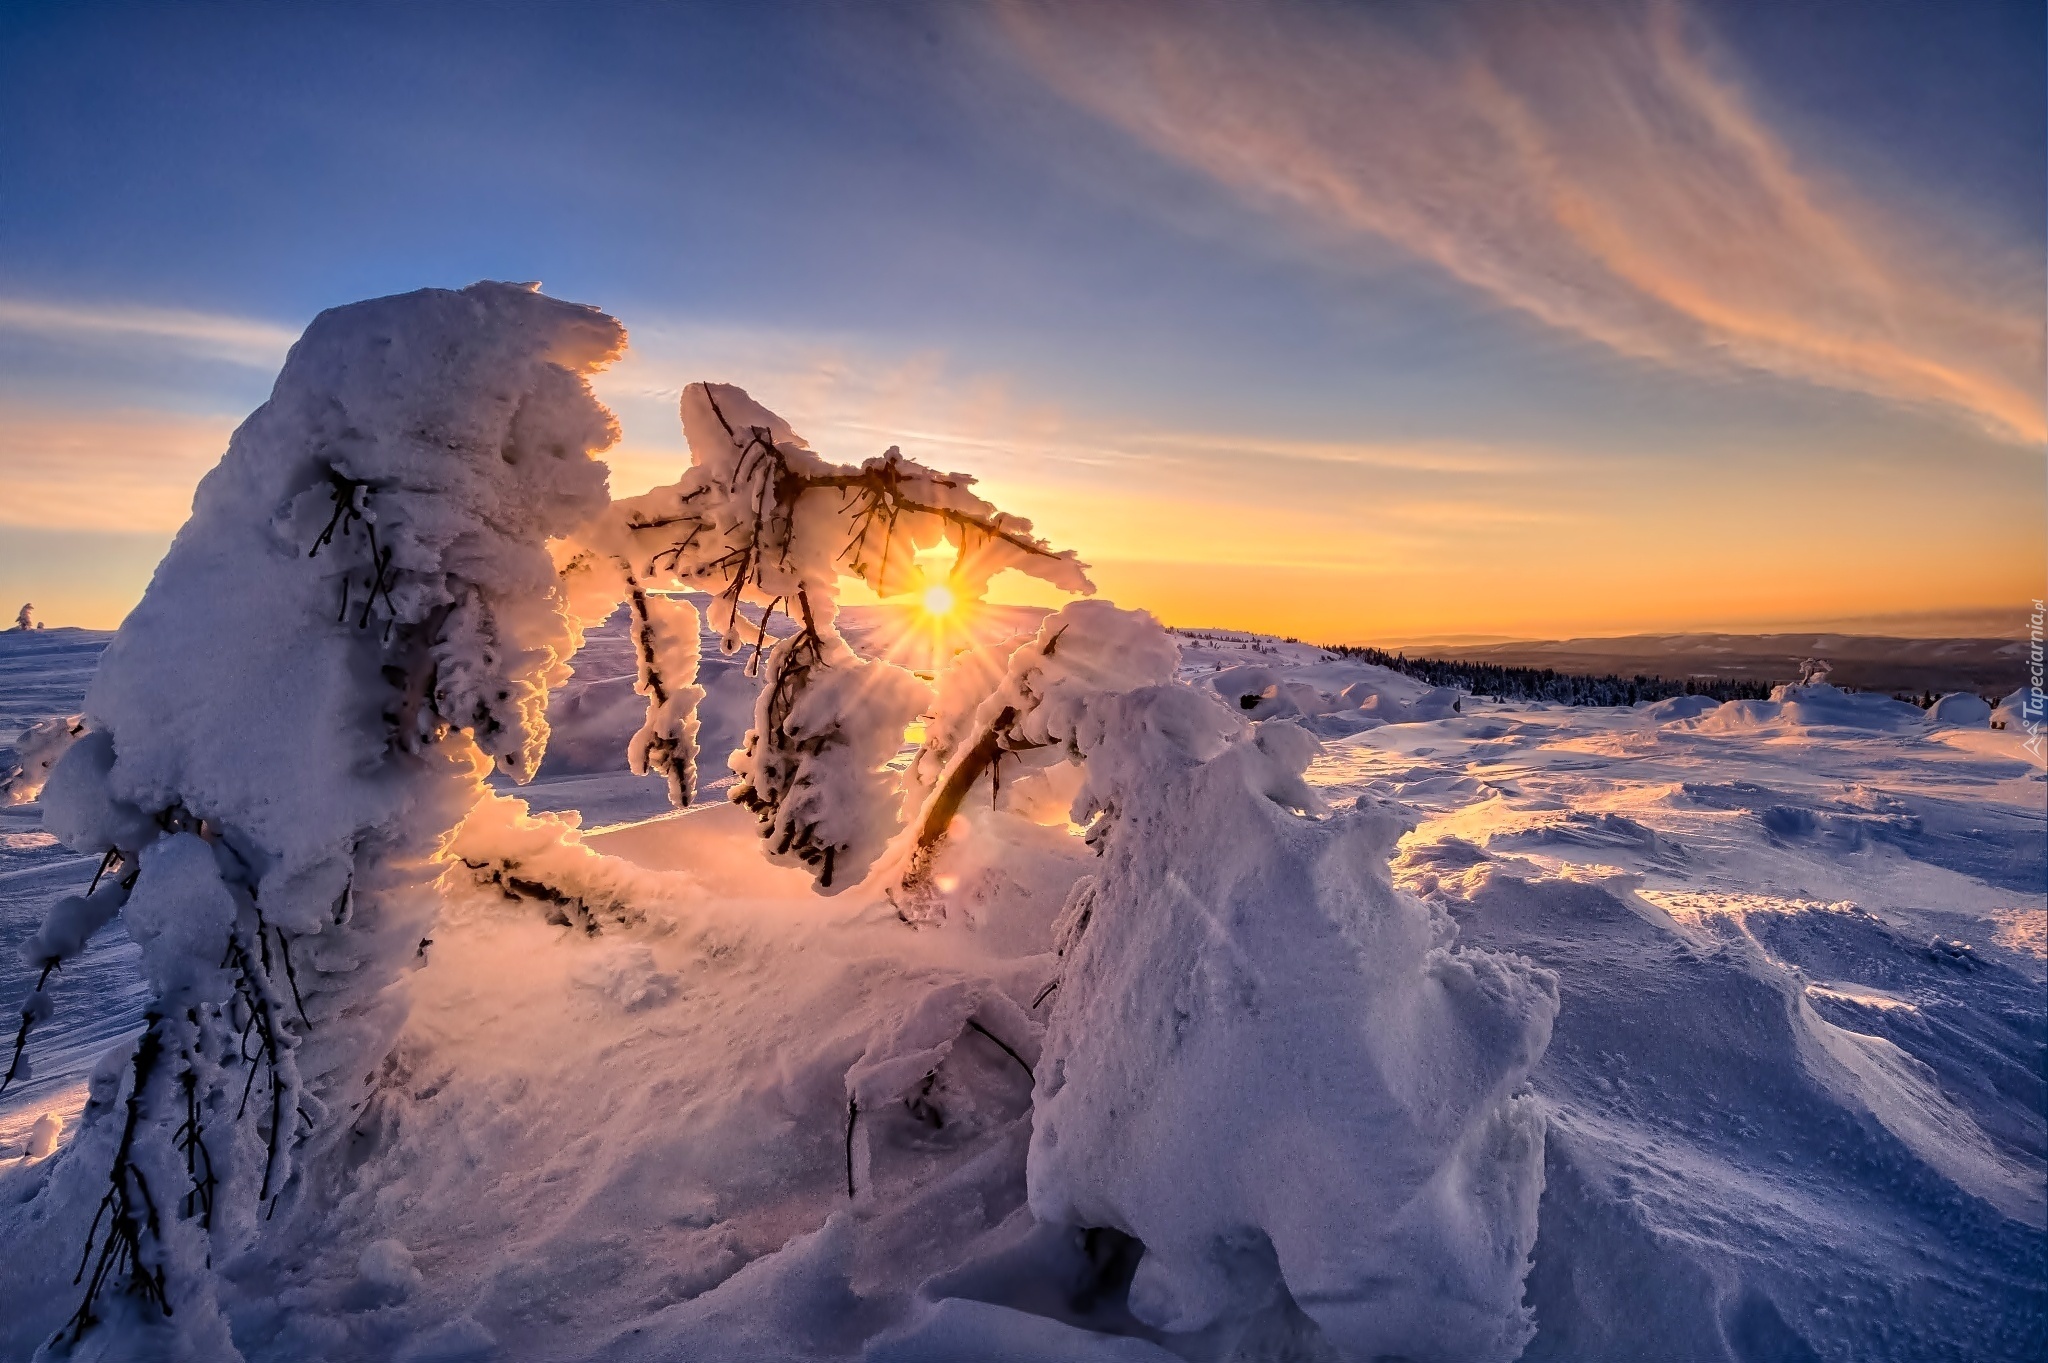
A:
[360,619]
[25,618]
[760,520]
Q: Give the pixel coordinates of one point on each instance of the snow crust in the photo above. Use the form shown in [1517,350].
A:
[631,1145]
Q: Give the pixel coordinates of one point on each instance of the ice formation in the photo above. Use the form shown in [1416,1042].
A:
[360,616]
[666,647]
[1275,1070]
[1775,1127]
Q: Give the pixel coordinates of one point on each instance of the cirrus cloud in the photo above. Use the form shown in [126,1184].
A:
[239,340]
[1593,166]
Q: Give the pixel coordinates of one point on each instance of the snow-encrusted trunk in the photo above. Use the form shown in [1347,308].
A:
[665,647]
[1032,712]
[361,615]
[1248,1010]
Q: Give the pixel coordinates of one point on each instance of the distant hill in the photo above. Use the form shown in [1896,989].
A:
[1865,661]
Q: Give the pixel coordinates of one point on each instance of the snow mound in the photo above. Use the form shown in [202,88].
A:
[1247,1010]
[1332,700]
[1678,709]
[2019,707]
[1961,709]
[1815,705]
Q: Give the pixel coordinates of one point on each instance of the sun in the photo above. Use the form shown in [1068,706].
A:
[938,600]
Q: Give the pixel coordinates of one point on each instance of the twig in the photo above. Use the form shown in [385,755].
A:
[852,1112]
[28,1020]
[1006,1049]
[121,1251]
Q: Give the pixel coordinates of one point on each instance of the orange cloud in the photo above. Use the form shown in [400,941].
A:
[1593,166]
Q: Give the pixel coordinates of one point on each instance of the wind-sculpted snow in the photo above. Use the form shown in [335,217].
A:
[1276,1071]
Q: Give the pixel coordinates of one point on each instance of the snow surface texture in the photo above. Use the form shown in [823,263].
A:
[644,1095]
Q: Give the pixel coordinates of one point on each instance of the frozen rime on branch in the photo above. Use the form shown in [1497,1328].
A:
[665,645]
[361,615]
[1248,1010]
[762,520]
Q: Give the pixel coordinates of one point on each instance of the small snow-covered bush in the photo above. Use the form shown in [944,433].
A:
[35,752]
[1249,1010]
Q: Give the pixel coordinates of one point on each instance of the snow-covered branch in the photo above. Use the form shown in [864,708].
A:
[761,521]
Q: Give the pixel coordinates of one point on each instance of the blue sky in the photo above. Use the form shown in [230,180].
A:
[1355,321]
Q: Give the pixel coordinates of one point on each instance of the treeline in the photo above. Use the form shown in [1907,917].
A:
[1547,684]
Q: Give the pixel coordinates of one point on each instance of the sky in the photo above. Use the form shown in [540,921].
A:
[1358,322]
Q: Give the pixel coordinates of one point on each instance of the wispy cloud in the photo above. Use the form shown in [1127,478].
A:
[1596,166]
[852,398]
[240,340]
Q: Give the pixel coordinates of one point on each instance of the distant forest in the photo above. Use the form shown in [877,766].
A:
[1562,688]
